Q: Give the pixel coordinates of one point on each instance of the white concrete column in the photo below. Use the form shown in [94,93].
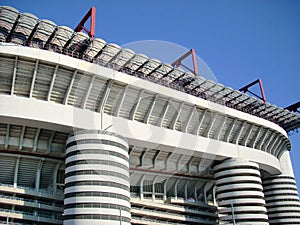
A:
[97,188]
[142,189]
[38,175]
[165,189]
[16,172]
[54,178]
[153,188]
[239,193]
[281,195]
[175,188]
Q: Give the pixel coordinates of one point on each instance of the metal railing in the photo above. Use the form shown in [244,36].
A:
[164,213]
[58,194]
[198,206]
[36,217]
[30,201]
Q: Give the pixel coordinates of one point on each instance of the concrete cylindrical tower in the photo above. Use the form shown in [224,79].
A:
[97,188]
[281,195]
[239,192]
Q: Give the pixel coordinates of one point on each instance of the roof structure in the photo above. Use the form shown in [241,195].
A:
[26,29]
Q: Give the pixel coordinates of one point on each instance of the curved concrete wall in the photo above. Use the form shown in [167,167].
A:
[34,112]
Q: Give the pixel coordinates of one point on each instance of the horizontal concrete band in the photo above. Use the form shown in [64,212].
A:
[66,118]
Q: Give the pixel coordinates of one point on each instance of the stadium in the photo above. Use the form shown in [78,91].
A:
[92,133]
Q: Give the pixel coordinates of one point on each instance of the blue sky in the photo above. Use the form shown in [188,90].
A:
[240,40]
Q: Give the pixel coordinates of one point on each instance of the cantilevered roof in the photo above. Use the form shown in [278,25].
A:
[26,29]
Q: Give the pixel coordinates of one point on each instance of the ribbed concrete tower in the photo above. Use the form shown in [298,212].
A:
[239,193]
[96,179]
[281,195]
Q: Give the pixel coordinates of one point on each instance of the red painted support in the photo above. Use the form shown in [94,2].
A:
[178,62]
[246,89]
[91,14]
[262,90]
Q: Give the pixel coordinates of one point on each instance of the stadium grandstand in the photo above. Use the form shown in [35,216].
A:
[92,133]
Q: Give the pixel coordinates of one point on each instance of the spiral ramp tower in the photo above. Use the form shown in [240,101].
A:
[96,178]
[93,133]
[239,190]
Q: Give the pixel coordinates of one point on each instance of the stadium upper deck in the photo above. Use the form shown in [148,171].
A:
[27,30]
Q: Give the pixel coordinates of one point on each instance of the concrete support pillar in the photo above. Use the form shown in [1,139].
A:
[195,192]
[204,192]
[97,188]
[54,179]
[142,188]
[239,193]
[16,172]
[214,195]
[38,175]
[186,190]
[153,189]
[175,189]
[281,194]
[165,189]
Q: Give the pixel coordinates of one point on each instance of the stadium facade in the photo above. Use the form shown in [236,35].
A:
[91,133]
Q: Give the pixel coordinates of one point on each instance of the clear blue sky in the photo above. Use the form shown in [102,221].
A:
[239,40]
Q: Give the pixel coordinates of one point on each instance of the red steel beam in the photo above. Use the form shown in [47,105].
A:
[91,14]
[178,62]
[258,81]
[262,90]
[194,62]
